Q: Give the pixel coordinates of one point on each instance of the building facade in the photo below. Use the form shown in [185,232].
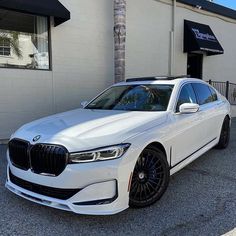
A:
[55,55]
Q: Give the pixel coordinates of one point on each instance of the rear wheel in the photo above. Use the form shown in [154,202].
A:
[225,134]
[150,178]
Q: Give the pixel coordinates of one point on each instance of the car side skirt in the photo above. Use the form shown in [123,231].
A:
[194,156]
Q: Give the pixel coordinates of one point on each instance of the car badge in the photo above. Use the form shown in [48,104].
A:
[36,138]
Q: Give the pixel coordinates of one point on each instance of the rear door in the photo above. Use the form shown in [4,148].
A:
[209,113]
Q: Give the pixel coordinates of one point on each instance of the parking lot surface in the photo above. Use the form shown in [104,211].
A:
[201,200]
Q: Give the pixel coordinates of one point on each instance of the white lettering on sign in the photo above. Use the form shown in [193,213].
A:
[203,36]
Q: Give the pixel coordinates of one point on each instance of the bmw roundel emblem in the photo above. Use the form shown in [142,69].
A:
[36,138]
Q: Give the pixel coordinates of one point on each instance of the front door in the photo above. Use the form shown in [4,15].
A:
[186,128]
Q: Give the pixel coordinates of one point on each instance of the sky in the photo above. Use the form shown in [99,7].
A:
[227,3]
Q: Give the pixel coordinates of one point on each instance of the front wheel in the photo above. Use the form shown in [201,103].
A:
[225,134]
[150,178]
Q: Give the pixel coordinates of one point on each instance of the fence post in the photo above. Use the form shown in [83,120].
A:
[210,82]
[227,90]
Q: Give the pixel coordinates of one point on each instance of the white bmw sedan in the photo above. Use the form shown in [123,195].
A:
[121,148]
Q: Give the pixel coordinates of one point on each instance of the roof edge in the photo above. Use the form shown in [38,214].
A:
[211,7]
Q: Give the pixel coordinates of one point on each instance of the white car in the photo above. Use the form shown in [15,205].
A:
[121,148]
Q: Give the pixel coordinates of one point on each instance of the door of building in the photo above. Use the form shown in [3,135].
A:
[194,65]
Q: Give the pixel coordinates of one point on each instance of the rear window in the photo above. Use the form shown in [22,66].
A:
[203,93]
[214,94]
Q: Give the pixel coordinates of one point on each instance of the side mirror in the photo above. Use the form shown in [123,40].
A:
[189,108]
[84,104]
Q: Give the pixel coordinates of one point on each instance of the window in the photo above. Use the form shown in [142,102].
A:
[134,98]
[203,93]
[214,94]
[24,41]
[187,95]
[5,49]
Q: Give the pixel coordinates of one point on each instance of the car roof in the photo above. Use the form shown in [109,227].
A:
[159,80]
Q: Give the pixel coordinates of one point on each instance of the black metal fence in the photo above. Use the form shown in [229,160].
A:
[227,89]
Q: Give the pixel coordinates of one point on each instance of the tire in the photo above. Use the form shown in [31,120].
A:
[150,178]
[224,135]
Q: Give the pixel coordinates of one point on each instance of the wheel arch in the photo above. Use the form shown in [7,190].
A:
[229,118]
[159,146]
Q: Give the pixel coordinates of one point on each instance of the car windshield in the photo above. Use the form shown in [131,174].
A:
[151,97]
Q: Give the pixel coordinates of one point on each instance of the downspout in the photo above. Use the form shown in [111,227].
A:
[172,41]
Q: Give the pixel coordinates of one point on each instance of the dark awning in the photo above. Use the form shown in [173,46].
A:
[39,7]
[199,38]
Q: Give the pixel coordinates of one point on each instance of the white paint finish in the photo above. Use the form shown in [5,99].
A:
[80,125]
[90,193]
[182,135]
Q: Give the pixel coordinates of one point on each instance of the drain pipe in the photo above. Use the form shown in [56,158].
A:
[172,41]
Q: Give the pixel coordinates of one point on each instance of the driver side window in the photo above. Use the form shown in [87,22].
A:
[187,95]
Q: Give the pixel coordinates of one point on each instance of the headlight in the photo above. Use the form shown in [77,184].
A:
[102,154]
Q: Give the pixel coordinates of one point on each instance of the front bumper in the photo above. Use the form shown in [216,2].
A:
[103,186]
[98,208]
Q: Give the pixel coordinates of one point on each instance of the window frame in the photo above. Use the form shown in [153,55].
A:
[180,90]
[4,47]
[213,89]
[198,100]
[49,46]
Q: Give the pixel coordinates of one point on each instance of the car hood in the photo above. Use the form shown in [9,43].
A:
[85,129]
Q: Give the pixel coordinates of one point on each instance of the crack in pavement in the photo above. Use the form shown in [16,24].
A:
[195,222]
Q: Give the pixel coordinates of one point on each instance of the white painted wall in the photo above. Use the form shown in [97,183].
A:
[148,41]
[24,96]
[148,38]
[220,67]
[82,56]
[83,52]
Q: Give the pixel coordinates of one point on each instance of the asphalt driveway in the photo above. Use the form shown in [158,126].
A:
[201,200]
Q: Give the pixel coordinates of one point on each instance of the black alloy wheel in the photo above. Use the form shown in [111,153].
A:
[225,134]
[150,178]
